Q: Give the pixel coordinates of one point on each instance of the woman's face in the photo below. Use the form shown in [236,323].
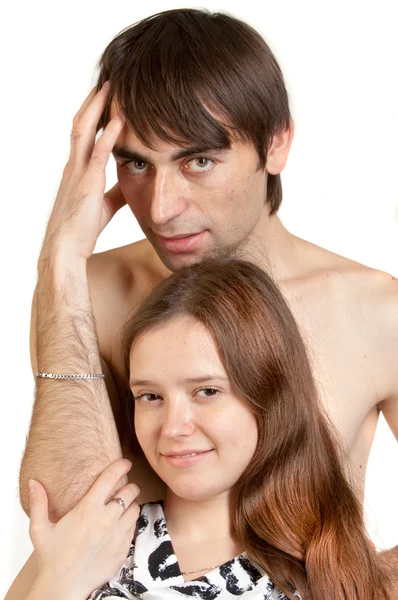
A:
[195,430]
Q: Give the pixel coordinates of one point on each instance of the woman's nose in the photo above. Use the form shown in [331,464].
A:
[178,419]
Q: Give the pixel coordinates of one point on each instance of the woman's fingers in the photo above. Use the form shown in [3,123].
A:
[106,482]
[128,494]
[38,505]
[128,520]
[85,124]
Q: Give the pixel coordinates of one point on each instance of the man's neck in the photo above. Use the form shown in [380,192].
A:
[272,248]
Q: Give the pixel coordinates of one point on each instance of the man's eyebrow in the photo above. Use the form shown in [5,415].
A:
[123,152]
[190,380]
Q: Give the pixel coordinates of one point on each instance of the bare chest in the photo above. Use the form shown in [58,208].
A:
[344,365]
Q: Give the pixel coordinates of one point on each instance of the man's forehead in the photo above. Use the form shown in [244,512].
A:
[130,146]
[130,140]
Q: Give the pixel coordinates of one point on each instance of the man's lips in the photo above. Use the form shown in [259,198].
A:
[180,243]
[176,237]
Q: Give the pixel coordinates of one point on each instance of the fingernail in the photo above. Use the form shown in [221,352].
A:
[128,462]
[31,485]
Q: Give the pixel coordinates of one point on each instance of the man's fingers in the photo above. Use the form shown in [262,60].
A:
[113,201]
[38,505]
[94,92]
[86,102]
[106,481]
[115,198]
[94,178]
[105,143]
[85,125]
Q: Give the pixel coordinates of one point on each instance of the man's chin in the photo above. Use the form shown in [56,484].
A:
[178,260]
[175,262]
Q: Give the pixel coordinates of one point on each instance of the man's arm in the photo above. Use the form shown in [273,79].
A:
[73,436]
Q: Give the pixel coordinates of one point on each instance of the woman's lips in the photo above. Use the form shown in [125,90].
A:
[185,460]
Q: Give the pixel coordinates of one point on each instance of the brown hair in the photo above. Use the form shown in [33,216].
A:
[293,509]
[171,71]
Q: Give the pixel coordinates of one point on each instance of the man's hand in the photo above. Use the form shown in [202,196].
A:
[73,435]
[81,210]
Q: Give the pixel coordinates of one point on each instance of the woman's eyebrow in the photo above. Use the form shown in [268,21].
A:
[195,380]
[130,154]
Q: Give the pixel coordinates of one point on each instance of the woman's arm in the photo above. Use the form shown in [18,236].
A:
[28,586]
[24,581]
[85,548]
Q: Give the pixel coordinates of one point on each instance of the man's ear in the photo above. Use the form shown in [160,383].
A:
[279,150]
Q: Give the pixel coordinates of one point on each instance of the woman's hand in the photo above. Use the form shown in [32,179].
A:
[89,544]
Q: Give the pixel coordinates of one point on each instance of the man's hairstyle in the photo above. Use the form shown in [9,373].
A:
[191,77]
[293,509]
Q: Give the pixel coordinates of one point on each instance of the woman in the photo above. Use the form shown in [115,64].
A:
[226,411]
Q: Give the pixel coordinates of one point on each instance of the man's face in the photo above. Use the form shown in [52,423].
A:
[192,203]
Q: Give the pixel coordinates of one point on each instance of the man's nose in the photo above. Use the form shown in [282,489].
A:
[178,419]
[167,200]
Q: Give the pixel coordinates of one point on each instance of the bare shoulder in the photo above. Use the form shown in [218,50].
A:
[118,280]
[370,293]
[357,300]
[123,266]
[353,299]
[346,281]
[348,315]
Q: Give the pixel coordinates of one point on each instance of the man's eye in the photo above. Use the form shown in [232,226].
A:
[208,392]
[146,397]
[200,163]
[137,166]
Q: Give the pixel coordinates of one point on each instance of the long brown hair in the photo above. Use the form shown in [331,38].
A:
[171,72]
[293,508]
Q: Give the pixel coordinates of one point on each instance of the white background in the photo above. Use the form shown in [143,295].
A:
[340,189]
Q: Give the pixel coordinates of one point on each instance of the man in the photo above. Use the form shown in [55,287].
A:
[196,115]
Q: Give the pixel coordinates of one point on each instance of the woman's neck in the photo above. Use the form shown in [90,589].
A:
[201,533]
[201,520]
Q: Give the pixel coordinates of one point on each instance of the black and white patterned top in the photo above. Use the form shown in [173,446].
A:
[151,570]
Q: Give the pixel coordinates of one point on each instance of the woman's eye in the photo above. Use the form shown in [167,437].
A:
[146,397]
[208,392]
[201,163]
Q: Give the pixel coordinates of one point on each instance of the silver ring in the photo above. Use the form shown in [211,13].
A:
[119,501]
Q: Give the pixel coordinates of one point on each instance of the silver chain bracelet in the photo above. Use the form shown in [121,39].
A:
[70,375]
